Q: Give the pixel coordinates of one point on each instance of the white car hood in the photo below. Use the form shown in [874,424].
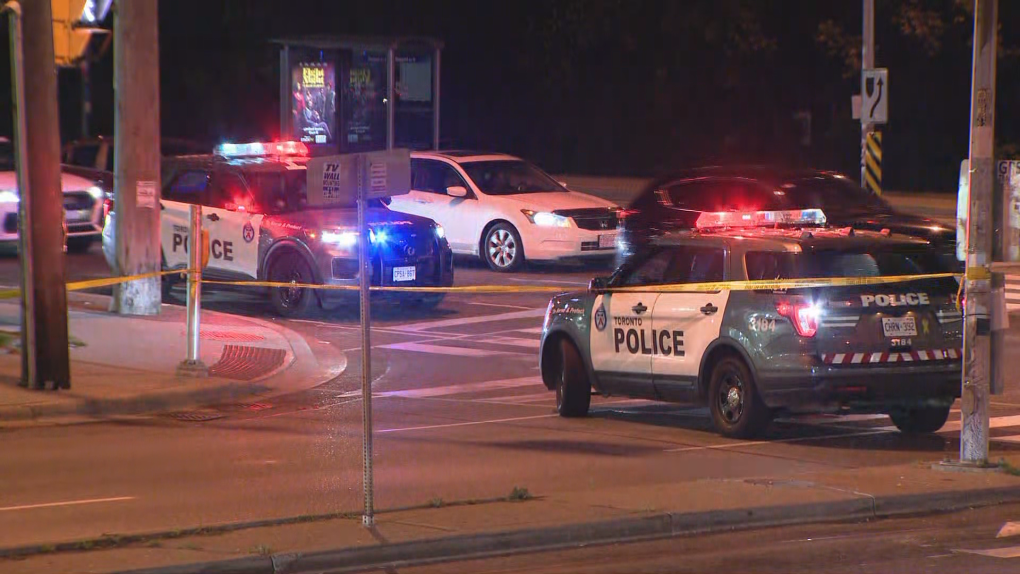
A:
[553,200]
[68,182]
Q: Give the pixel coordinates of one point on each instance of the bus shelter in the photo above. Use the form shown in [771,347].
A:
[349,94]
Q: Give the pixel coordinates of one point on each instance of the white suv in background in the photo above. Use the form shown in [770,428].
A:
[503,209]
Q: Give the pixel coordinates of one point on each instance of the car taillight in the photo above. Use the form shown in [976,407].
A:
[107,206]
[802,313]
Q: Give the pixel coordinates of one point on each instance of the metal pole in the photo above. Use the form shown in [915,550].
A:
[435,103]
[977,355]
[24,239]
[136,155]
[391,76]
[43,215]
[86,96]
[867,63]
[193,365]
[365,280]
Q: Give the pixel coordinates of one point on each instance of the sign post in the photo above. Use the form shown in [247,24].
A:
[362,178]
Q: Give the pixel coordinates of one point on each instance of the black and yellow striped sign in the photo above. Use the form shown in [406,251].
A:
[873,162]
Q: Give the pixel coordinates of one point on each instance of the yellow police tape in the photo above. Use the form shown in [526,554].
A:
[758,285]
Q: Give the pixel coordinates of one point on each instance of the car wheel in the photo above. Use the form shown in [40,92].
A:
[573,389]
[78,244]
[291,301]
[737,410]
[920,420]
[502,249]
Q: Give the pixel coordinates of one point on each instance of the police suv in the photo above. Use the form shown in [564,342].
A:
[260,226]
[883,348]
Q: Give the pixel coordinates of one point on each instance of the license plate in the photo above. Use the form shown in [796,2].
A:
[899,327]
[403,274]
[607,241]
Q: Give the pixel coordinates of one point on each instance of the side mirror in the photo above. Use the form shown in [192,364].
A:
[457,191]
[598,284]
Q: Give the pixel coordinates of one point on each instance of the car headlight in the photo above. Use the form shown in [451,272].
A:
[440,231]
[339,238]
[8,196]
[96,192]
[546,219]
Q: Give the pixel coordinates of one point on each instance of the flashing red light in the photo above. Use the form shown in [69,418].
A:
[713,219]
[802,313]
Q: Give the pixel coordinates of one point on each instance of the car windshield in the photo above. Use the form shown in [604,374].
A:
[286,193]
[829,193]
[509,177]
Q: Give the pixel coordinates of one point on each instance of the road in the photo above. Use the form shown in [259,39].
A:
[461,413]
[957,543]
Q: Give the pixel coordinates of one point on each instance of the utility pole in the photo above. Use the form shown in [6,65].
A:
[977,349]
[867,63]
[46,362]
[136,166]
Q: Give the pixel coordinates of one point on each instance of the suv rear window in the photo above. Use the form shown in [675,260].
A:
[768,265]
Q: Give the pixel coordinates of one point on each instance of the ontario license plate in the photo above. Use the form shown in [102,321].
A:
[403,274]
[607,241]
[899,327]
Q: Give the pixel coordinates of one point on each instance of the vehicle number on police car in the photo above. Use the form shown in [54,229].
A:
[899,327]
[403,274]
[607,241]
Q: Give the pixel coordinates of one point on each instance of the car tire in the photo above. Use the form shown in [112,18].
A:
[573,389]
[502,249]
[78,245]
[291,302]
[920,420]
[737,410]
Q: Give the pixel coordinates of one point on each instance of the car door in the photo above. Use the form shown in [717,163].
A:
[430,180]
[187,188]
[233,218]
[621,329]
[684,323]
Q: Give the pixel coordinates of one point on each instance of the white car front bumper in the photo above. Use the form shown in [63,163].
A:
[554,243]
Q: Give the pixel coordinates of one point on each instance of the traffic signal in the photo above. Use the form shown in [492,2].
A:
[74,23]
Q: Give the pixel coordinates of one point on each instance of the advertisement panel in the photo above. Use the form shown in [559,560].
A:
[313,102]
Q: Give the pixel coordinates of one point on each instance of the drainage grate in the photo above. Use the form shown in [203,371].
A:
[245,363]
[194,416]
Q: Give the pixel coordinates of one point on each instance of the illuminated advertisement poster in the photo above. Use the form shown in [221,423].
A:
[313,102]
[365,102]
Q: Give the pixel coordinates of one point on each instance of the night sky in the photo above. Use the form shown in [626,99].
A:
[613,87]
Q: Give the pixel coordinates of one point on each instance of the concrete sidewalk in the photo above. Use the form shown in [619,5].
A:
[126,365]
[544,519]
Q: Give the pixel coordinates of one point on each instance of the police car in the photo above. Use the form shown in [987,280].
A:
[260,226]
[890,348]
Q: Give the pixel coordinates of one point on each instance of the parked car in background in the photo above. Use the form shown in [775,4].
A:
[504,209]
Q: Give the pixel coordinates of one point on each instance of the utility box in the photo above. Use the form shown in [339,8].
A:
[350,94]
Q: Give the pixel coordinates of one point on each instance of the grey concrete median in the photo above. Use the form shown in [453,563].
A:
[640,528]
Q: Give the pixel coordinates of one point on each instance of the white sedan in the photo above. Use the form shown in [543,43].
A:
[85,206]
[503,209]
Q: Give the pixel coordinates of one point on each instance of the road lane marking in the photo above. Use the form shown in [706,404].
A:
[66,503]
[424,326]
[514,342]
[1011,552]
[461,388]
[777,441]
[450,425]
[444,350]
[1009,529]
[531,331]
[498,305]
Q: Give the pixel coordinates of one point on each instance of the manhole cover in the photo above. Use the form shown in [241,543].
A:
[194,416]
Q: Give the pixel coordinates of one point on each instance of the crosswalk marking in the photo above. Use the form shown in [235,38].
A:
[515,342]
[445,350]
[1011,552]
[531,331]
[463,388]
[994,423]
[429,325]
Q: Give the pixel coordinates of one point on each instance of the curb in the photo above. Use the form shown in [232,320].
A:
[657,526]
[220,390]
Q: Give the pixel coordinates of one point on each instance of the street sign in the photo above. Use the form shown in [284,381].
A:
[333,180]
[875,96]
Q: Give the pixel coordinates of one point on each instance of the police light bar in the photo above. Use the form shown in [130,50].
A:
[708,219]
[256,149]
